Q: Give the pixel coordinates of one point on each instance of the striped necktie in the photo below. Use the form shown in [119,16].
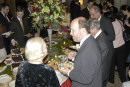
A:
[7,18]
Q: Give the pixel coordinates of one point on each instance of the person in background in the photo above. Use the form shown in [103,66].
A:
[87,70]
[102,3]
[110,3]
[33,72]
[123,10]
[71,8]
[85,11]
[75,9]
[28,18]
[3,52]
[103,42]
[66,22]
[19,26]
[106,26]
[105,9]
[5,20]
[119,55]
[126,11]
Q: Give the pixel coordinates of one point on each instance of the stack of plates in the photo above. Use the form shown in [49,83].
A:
[4,80]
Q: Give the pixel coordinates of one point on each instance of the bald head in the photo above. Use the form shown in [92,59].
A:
[95,12]
[79,28]
[78,19]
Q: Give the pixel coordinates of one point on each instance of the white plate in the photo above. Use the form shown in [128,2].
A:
[5,33]
[73,47]
[4,67]
[12,83]
[5,78]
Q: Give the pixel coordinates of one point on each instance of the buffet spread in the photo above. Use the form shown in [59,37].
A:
[9,66]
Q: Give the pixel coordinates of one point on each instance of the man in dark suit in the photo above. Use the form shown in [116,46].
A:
[110,3]
[87,62]
[5,20]
[105,25]
[85,11]
[19,26]
[102,40]
[75,9]
[27,12]
[102,3]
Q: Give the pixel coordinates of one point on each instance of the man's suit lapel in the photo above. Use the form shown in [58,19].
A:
[101,20]
[99,36]
[19,24]
[84,44]
[3,17]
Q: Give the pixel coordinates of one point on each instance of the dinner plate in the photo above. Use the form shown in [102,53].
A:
[72,47]
[5,33]
[3,68]
[12,83]
[5,78]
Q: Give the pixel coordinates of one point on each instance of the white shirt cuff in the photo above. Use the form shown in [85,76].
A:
[69,72]
[73,59]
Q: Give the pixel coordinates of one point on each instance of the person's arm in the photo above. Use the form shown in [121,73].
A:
[54,82]
[18,82]
[107,27]
[12,29]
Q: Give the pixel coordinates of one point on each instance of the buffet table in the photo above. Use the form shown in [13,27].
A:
[60,45]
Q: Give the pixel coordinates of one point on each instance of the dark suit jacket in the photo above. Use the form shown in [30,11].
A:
[28,18]
[85,13]
[105,52]
[2,30]
[4,21]
[18,32]
[87,65]
[76,11]
[107,27]
[115,10]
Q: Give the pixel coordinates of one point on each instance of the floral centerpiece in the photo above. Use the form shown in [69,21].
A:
[47,12]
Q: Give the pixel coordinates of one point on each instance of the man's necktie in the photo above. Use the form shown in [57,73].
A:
[6,18]
[21,23]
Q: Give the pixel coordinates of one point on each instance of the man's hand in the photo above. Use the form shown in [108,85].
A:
[8,34]
[71,55]
[28,35]
[64,71]
[14,42]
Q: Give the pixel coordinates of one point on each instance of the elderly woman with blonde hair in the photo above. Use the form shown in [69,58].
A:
[34,73]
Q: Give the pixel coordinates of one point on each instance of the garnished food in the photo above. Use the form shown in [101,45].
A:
[53,64]
[1,67]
